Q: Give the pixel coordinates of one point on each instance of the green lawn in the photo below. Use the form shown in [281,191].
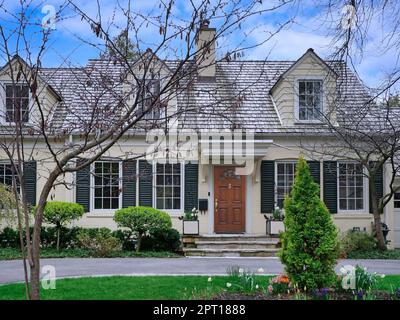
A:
[146,287]
[13,253]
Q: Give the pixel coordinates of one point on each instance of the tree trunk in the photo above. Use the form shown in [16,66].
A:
[377,218]
[139,242]
[58,238]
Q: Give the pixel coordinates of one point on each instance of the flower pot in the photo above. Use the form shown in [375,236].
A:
[191,227]
[274,227]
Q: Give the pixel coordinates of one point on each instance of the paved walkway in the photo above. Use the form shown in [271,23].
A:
[12,271]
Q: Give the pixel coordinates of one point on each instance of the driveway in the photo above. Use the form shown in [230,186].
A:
[12,271]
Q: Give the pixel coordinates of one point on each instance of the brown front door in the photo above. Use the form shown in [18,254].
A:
[229,200]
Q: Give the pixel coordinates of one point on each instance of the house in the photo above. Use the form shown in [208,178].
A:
[266,99]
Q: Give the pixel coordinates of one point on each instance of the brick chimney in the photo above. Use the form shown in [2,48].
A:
[205,45]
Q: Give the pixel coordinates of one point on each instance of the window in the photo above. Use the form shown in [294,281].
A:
[285,176]
[168,186]
[17,103]
[150,92]
[351,186]
[397,200]
[310,99]
[6,175]
[106,179]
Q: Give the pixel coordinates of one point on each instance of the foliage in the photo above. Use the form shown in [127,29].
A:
[15,253]
[279,285]
[277,214]
[142,221]
[353,241]
[9,238]
[309,243]
[8,204]
[125,237]
[359,281]
[375,254]
[167,240]
[123,46]
[60,213]
[191,215]
[102,244]
[243,280]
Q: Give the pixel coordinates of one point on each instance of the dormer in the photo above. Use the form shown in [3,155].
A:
[17,103]
[305,93]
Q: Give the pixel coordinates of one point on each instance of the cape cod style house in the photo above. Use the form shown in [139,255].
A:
[273,106]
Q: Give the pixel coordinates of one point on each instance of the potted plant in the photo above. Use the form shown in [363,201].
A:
[275,223]
[190,222]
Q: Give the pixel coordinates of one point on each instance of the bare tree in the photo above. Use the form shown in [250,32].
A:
[112,97]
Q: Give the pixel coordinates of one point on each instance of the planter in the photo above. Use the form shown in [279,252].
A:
[190,227]
[274,227]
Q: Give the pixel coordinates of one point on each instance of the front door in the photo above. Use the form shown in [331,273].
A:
[229,200]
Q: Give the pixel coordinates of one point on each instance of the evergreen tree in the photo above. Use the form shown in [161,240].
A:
[309,243]
[122,45]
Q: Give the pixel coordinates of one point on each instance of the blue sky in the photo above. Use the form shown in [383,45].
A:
[67,43]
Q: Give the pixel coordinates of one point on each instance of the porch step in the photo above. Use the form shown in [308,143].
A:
[236,244]
[231,245]
[269,252]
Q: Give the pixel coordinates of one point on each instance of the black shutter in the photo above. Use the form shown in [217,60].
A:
[30,182]
[145,183]
[378,185]
[82,189]
[315,170]
[267,172]
[330,185]
[128,183]
[191,186]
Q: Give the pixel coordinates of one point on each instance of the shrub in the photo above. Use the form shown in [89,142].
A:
[353,241]
[100,243]
[126,238]
[142,221]
[309,243]
[168,240]
[61,213]
[9,238]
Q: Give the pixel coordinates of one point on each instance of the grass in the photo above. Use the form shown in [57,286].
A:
[127,288]
[13,253]
[375,254]
[148,287]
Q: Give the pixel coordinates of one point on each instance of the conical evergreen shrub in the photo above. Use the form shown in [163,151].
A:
[309,243]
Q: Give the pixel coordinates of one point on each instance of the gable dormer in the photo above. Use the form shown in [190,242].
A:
[305,92]
[17,102]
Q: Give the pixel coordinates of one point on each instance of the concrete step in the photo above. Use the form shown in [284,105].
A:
[235,237]
[266,252]
[236,244]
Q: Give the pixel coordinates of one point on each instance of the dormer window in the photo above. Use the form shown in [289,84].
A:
[310,100]
[17,103]
[150,92]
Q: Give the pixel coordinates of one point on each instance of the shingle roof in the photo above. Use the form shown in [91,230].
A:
[238,98]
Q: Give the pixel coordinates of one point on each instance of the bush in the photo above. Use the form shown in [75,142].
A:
[9,238]
[100,243]
[142,221]
[309,243]
[126,238]
[169,240]
[61,213]
[353,241]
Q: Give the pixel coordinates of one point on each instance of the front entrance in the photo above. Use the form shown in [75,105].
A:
[229,200]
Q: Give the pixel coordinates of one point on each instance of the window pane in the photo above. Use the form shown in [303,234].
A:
[160,180]
[160,204]
[160,192]
[168,191]
[168,203]
[302,87]
[177,203]
[106,181]
[359,204]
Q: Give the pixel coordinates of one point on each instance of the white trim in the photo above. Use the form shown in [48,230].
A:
[3,106]
[171,212]
[296,97]
[365,191]
[276,177]
[94,211]
[276,108]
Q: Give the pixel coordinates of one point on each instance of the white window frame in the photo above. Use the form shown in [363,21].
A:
[5,162]
[150,114]
[276,177]
[172,212]
[365,190]
[92,188]
[297,101]
[3,115]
